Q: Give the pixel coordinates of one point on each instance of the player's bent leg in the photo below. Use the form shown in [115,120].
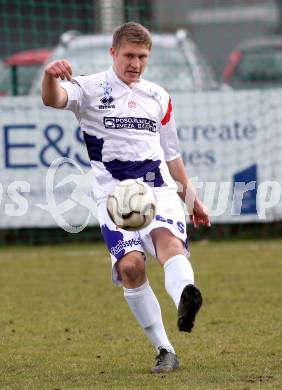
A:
[179,277]
[166,244]
[145,306]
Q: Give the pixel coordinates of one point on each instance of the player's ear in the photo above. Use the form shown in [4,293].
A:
[112,52]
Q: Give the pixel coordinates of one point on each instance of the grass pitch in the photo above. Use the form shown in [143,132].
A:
[63,325]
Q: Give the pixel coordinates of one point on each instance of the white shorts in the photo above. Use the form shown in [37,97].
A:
[170,215]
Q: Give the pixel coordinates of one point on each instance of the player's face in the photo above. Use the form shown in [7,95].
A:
[130,61]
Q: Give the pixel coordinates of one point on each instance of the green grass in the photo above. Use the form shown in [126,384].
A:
[63,325]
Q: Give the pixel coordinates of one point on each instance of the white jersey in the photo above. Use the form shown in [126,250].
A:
[129,132]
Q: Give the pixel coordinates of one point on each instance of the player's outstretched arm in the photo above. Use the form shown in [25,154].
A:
[52,93]
[198,212]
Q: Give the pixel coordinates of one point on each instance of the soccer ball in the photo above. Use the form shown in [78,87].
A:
[132,204]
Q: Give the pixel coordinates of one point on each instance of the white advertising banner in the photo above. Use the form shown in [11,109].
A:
[231,144]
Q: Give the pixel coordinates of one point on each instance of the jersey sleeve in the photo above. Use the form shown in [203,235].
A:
[75,94]
[168,134]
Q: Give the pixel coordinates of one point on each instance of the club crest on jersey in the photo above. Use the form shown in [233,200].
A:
[131,104]
[107,99]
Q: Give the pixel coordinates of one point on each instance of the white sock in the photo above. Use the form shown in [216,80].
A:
[146,309]
[178,273]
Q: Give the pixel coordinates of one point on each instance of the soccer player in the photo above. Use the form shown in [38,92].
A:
[129,131]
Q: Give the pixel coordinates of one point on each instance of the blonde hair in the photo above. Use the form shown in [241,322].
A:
[131,32]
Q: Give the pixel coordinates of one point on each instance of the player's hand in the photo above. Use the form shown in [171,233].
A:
[59,69]
[200,215]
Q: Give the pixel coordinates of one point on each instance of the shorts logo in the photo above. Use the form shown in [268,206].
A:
[107,99]
[121,244]
[130,123]
[179,224]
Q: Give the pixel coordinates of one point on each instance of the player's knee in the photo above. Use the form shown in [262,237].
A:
[130,272]
[131,268]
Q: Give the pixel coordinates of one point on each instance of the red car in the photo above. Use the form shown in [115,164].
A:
[18,71]
[255,63]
